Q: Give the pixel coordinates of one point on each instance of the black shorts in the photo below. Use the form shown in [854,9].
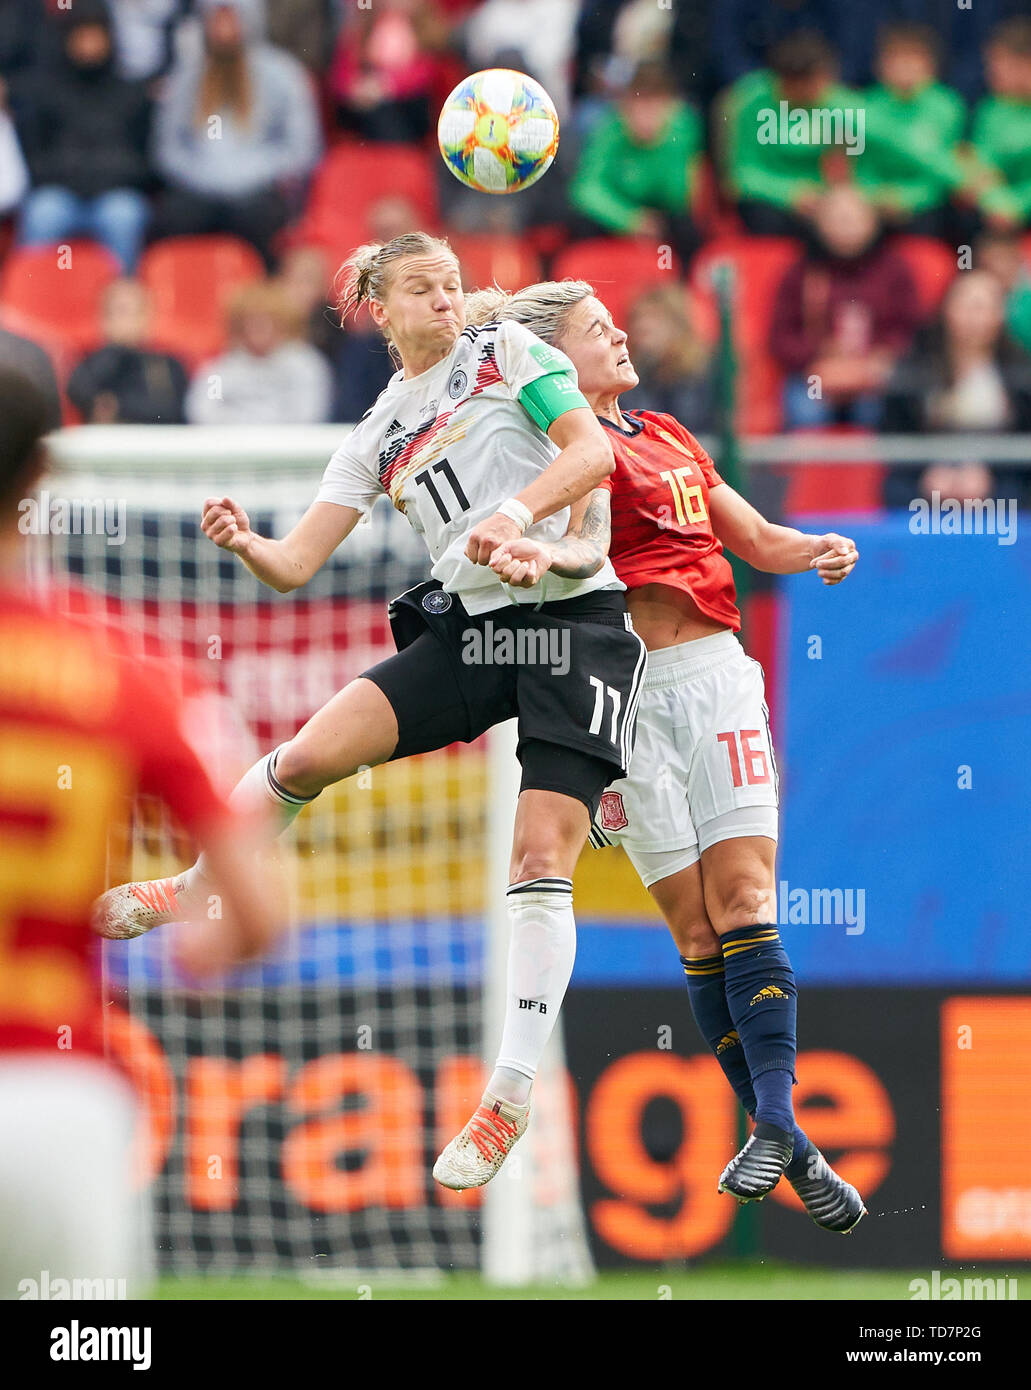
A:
[570,671]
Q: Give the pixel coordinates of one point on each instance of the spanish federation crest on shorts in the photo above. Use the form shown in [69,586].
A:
[611,813]
[436,601]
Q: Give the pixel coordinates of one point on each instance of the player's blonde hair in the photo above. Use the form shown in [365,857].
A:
[543,308]
[369,269]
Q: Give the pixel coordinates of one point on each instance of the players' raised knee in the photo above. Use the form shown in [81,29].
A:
[742,905]
[695,937]
[538,863]
[301,768]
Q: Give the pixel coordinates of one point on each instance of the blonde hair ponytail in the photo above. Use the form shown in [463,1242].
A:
[485,306]
[369,269]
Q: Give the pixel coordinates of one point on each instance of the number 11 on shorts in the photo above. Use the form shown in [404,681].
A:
[599,706]
[741,752]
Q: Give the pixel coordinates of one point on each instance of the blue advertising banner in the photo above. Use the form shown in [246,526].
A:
[903,725]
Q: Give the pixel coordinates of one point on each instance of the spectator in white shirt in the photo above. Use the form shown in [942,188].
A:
[269,374]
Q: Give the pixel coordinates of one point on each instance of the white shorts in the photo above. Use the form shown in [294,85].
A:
[69,1210]
[703,768]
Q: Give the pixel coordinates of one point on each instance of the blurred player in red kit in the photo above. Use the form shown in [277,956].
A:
[697,813]
[83,728]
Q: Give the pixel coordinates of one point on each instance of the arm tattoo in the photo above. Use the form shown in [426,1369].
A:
[582,550]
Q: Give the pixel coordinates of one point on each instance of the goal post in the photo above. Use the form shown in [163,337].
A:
[533,1225]
[296,1111]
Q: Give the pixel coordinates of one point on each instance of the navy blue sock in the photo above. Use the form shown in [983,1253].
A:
[761,1001]
[708,1002]
[707,997]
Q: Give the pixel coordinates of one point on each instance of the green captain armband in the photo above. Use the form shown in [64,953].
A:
[545,399]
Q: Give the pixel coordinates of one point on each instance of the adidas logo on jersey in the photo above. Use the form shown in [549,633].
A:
[768,992]
[393,428]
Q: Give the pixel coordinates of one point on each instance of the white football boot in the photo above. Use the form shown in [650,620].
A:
[474,1156]
[134,908]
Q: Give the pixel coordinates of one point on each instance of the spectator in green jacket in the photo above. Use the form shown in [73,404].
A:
[780,127]
[914,124]
[637,171]
[1001,132]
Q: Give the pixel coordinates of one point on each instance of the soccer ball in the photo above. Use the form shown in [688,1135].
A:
[498,131]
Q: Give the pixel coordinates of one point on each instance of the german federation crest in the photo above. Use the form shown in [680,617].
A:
[436,601]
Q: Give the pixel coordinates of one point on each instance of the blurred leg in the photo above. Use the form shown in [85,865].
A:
[802,410]
[866,410]
[258,218]
[180,212]
[118,220]
[68,1208]
[765,219]
[49,215]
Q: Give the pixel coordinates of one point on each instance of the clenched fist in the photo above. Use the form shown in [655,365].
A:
[835,557]
[485,538]
[225,522]
[521,563]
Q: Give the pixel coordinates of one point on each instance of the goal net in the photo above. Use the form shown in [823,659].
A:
[295,1110]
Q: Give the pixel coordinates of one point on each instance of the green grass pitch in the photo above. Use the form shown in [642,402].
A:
[758,1280]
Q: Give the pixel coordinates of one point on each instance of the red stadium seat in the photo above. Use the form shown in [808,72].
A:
[191,278]
[713,214]
[819,488]
[504,260]
[54,295]
[353,177]
[932,265]
[758,265]
[619,268]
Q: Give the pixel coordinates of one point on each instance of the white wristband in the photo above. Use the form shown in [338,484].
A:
[518,512]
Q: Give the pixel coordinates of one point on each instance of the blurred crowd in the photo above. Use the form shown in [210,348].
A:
[131,124]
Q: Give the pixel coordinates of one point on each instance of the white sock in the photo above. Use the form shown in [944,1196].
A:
[540,961]
[256,790]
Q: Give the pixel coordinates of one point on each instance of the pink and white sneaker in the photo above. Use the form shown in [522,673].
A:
[474,1156]
[134,908]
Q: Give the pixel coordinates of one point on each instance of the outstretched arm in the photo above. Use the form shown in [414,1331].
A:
[287,564]
[777,549]
[579,554]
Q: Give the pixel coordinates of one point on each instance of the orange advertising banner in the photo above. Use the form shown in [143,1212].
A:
[986,1128]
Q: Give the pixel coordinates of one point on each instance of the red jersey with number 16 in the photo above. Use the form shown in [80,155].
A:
[661,531]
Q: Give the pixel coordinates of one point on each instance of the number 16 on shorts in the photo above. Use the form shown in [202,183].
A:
[746,751]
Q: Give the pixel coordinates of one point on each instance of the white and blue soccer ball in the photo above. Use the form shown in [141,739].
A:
[498,131]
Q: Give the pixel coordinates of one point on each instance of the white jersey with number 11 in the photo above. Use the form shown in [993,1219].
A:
[450,445]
